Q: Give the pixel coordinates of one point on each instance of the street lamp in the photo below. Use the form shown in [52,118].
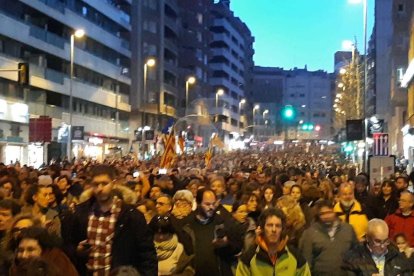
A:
[77,34]
[254,108]
[218,93]
[149,63]
[190,80]
[265,112]
[242,101]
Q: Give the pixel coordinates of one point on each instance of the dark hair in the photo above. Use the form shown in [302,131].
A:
[10,204]
[272,212]
[32,190]
[36,267]
[161,224]
[64,177]
[40,234]
[103,170]
[321,204]
[403,177]
[400,235]
[236,205]
[200,194]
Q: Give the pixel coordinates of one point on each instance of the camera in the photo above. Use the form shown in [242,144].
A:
[162,171]
[135,174]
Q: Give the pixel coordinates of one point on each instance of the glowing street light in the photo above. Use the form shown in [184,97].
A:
[190,80]
[218,93]
[77,34]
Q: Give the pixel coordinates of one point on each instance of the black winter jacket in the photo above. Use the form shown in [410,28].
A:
[132,245]
[358,261]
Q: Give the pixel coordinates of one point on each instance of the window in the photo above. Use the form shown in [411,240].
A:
[199,18]
[150,26]
[401,8]
[302,95]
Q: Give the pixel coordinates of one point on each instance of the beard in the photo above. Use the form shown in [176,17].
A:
[347,203]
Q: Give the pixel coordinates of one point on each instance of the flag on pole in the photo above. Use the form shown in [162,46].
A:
[181,143]
[169,154]
[216,141]
[207,157]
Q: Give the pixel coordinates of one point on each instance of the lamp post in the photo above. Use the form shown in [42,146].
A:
[149,63]
[218,93]
[264,113]
[77,34]
[190,80]
[254,108]
[365,19]
[242,101]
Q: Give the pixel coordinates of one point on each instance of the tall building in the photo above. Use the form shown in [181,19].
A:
[231,65]
[194,53]
[154,70]
[268,86]
[39,33]
[401,16]
[310,95]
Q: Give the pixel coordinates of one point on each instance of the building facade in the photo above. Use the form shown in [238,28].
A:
[230,65]
[39,33]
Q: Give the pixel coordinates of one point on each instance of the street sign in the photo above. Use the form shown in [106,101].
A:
[380,146]
[78,132]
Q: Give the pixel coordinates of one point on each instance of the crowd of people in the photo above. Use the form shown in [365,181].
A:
[299,211]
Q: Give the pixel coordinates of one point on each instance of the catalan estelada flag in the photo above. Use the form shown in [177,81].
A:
[207,157]
[169,154]
[181,143]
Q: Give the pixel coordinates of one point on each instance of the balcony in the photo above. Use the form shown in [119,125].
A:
[168,110]
[171,23]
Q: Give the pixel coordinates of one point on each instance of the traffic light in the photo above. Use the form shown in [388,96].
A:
[307,126]
[288,112]
[138,135]
[149,135]
[23,73]
[317,128]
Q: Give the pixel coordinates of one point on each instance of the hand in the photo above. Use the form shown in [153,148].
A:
[222,242]
[258,231]
[83,248]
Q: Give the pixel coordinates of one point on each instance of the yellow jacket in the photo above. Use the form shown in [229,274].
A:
[357,218]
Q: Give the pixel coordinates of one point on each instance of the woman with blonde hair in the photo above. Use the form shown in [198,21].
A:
[295,219]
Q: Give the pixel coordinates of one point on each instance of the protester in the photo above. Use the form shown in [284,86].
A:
[349,210]
[271,255]
[35,242]
[402,221]
[108,233]
[325,242]
[376,256]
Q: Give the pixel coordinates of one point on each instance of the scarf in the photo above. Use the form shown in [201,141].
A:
[166,248]
[262,243]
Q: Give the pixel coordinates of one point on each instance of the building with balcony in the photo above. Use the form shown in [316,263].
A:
[154,96]
[39,32]
[231,66]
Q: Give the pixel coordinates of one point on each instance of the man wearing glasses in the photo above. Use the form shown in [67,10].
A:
[108,233]
[376,256]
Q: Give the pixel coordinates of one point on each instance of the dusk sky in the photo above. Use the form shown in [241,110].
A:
[295,33]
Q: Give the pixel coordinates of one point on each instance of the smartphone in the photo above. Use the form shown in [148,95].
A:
[219,232]
[135,174]
[162,171]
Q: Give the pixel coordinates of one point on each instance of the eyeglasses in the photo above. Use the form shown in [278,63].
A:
[377,242]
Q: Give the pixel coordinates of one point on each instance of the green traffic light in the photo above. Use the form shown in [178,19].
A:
[288,112]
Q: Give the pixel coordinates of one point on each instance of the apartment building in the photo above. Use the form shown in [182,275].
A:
[231,66]
[39,33]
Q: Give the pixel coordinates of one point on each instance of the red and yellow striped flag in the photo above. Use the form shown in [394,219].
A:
[207,157]
[181,143]
[169,154]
